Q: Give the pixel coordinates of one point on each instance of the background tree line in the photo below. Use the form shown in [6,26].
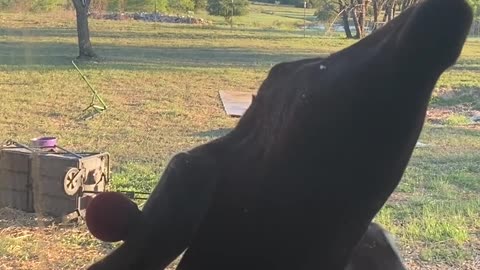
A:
[358,12]
[297,3]
[215,7]
[354,11]
[361,15]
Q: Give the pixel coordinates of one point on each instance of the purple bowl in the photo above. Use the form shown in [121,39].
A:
[44,142]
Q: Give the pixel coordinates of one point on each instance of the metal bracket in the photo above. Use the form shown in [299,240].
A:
[95,95]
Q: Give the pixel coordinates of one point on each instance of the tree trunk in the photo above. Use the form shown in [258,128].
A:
[404,4]
[362,15]
[344,11]
[407,3]
[358,31]
[388,12]
[375,14]
[346,25]
[385,16]
[394,8]
[84,45]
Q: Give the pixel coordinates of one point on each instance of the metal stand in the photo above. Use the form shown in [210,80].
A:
[95,96]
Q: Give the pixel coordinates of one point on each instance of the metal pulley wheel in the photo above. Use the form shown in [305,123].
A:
[73,181]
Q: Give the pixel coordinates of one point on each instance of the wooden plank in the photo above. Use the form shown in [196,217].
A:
[235,103]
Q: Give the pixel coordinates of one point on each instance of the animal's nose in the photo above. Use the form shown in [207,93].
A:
[434,33]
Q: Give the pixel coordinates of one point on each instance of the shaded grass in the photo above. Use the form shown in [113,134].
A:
[469,97]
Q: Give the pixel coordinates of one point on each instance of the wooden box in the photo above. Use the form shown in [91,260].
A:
[15,179]
[33,181]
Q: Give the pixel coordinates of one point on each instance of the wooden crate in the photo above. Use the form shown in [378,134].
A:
[15,179]
[33,181]
[50,198]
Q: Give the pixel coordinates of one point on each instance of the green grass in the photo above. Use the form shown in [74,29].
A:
[22,249]
[457,120]
[267,17]
[161,84]
[438,216]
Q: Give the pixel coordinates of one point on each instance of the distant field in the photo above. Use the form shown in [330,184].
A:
[161,83]
[269,16]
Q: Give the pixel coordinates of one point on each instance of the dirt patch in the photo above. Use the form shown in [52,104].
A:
[13,218]
[416,265]
[441,116]
[451,105]
[399,198]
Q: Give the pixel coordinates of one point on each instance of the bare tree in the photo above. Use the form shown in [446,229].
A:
[356,23]
[84,44]
[375,4]
[343,10]
[358,12]
[362,15]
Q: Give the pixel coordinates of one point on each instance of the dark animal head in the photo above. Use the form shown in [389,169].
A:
[298,181]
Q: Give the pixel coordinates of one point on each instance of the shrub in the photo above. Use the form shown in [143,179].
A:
[224,7]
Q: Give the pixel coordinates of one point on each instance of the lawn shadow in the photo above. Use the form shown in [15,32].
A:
[466,67]
[29,55]
[464,171]
[215,133]
[159,31]
[467,97]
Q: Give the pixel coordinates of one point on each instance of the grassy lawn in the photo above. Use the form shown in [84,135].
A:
[161,83]
[268,16]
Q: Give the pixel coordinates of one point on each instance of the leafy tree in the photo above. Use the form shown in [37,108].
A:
[116,5]
[327,10]
[224,7]
[331,9]
[99,5]
[7,4]
[45,5]
[181,5]
[138,5]
[156,5]
[160,5]
[31,5]
[199,4]
[475,4]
